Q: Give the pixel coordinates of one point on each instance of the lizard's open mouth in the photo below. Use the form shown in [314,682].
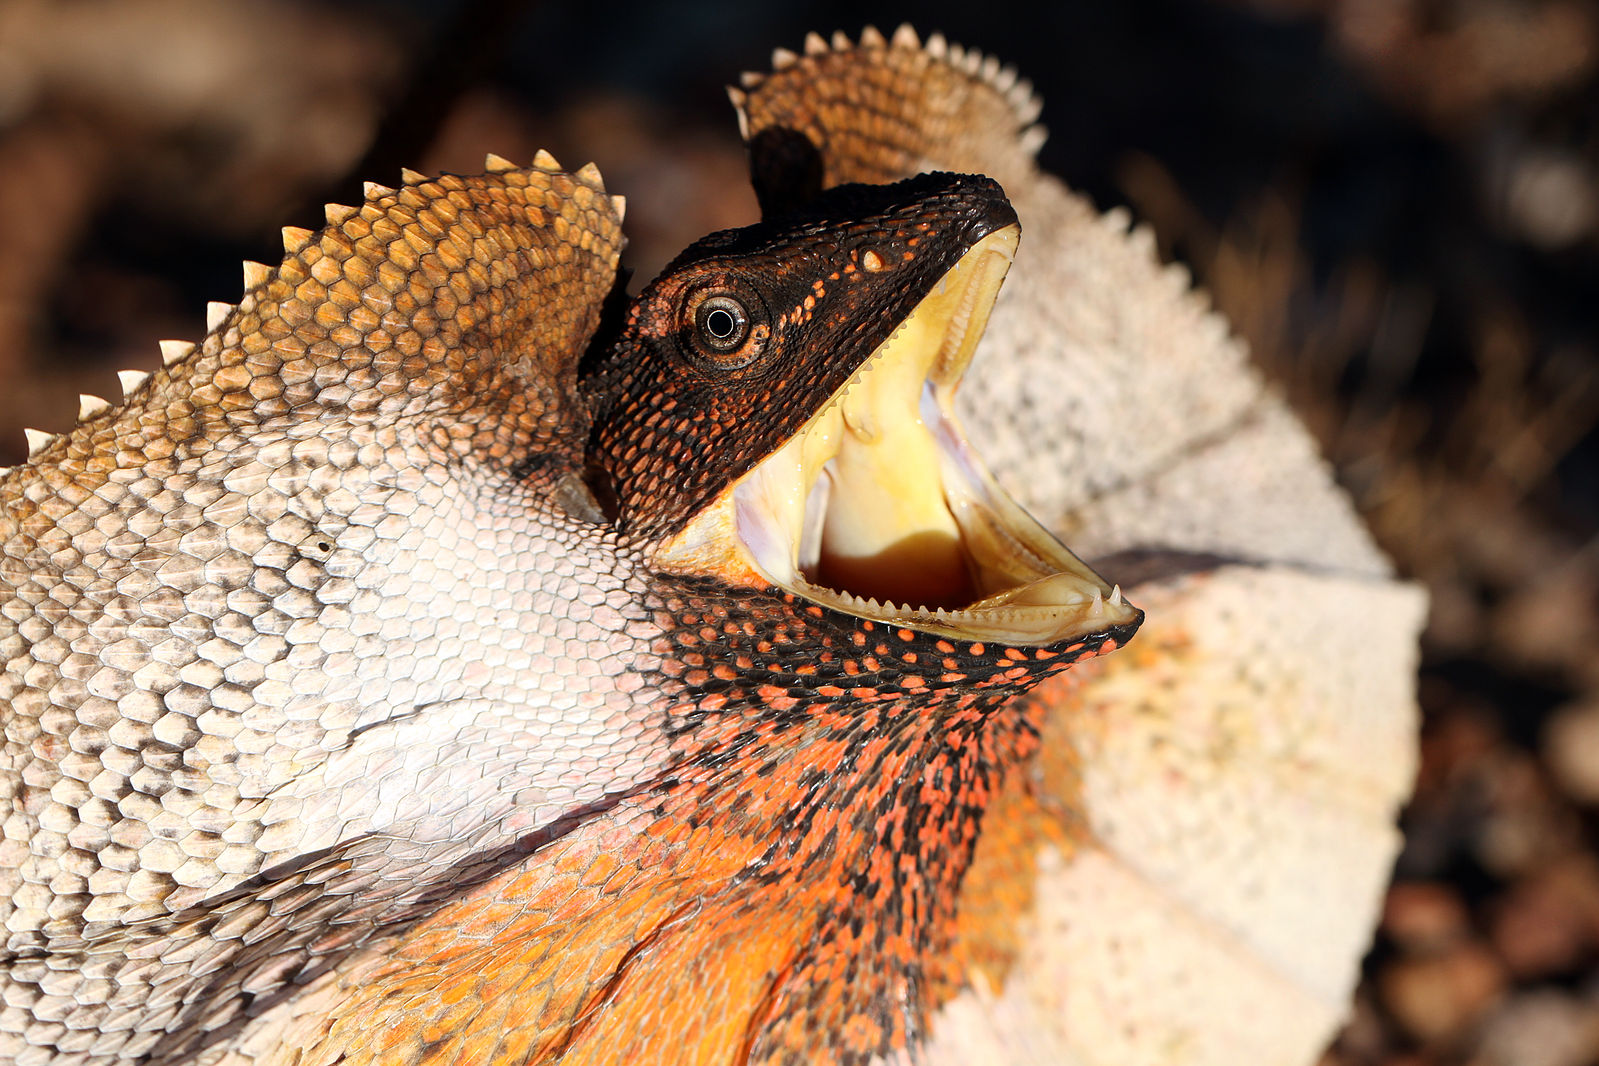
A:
[878,507]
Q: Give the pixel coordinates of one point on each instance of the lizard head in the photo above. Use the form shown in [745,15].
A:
[777,410]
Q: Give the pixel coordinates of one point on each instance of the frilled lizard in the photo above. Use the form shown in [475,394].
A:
[446,662]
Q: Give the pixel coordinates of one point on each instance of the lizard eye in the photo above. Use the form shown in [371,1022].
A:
[722,323]
[727,331]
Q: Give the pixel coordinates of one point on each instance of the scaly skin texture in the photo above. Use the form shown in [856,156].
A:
[366,649]
[673,425]
[232,603]
[1187,869]
[348,719]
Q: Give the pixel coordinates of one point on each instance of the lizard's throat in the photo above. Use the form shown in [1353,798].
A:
[879,508]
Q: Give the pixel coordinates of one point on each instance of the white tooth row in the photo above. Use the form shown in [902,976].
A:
[861,371]
[872,607]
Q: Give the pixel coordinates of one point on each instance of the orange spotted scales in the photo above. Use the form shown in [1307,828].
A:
[447,660]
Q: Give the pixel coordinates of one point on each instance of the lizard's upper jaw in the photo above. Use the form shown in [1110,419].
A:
[879,508]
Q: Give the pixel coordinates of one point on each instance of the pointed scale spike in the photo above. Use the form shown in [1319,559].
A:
[295,238]
[132,381]
[905,36]
[815,44]
[338,214]
[90,405]
[751,79]
[841,41]
[373,191]
[545,161]
[216,313]
[782,59]
[175,351]
[619,205]
[255,274]
[740,99]
[497,164]
[872,37]
[589,174]
[38,440]
[1116,596]
[412,177]
[1028,106]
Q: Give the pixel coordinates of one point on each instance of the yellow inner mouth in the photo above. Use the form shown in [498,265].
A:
[878,507]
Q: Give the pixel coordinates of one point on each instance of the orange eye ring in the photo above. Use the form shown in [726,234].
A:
[727,330]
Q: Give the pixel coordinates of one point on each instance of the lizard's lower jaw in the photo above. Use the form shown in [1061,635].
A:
[879,508]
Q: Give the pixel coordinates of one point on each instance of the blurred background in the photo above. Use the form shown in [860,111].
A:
[1395,201]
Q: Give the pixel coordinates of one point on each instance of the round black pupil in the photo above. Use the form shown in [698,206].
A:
[720,324]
